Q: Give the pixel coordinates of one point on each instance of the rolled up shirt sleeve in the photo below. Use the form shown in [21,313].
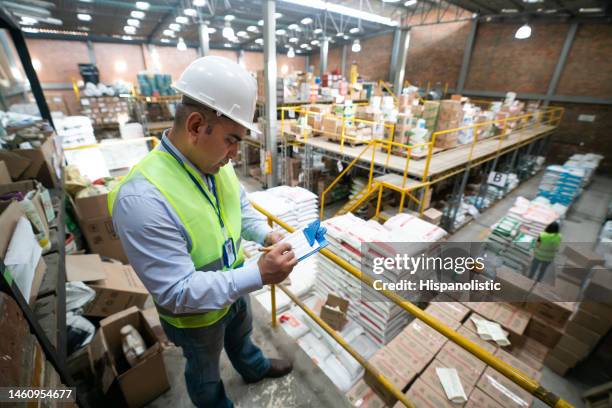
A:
[254,224]
[159,253]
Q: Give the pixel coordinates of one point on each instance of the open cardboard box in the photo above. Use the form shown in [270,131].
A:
[333,312]
[36,163]
[26,186]
[97,226]
[10,213]
[117,286]
[141,383]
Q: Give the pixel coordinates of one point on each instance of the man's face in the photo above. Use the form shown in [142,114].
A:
[215,144]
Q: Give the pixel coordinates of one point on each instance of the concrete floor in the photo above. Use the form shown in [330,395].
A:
[307,386]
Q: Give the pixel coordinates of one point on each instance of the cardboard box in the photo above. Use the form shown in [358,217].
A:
[574,345]
[331,126]
[25,187]
[600,324]
[427,336]
[432,215]
[410,352]
[469,366]
[543,332]
[478,399]
[519,364]
[586,335]
[565,356]
[557,366]
[502,390]
[362,396]
[473,337]
[553,304]
[35,163]
[439,313]
[514,286]
[431,378]
[583,256]
[398,374]
[97,226]
[10,213]
[422,395]
[599,287]
[141,383]
[453,309]
[513,319]
[334,312]
[5,176]
[597,308]
[529,351]
[117,286]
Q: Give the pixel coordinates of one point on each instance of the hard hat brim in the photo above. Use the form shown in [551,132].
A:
[251,126]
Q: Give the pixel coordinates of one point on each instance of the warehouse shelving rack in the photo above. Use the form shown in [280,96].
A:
[518,377]
[139,105]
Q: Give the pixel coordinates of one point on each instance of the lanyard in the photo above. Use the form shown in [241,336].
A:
[217,208]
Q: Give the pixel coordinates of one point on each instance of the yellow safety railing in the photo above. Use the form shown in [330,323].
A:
[152,139]
[382,85]
[515,375]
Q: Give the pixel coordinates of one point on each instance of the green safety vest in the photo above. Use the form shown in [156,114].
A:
[199,219]
[548,247]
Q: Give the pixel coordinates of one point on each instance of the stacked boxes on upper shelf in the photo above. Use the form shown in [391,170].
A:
[105,110]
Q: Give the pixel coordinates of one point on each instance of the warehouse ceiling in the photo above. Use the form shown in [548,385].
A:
[512,9]
[111,19]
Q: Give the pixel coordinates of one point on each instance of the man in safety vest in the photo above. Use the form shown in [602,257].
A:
[545,250]
[181,215]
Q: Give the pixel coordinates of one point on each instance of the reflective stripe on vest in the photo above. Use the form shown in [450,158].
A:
[198,217]
[548,246]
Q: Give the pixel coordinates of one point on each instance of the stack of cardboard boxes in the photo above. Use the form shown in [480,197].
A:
[450,117]
[104,110]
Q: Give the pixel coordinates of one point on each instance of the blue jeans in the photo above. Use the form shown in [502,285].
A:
[202,349]
[538,269]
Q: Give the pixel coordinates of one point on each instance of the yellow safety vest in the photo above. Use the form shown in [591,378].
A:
[548,246]
[199,218]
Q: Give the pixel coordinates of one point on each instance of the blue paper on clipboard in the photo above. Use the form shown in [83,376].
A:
[307,241]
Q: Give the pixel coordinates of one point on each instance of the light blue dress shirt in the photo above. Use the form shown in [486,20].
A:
[157,245]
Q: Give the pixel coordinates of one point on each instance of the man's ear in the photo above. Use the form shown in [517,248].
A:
[194,124]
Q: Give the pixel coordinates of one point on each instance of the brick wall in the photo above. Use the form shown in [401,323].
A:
[435,53]
[502,63]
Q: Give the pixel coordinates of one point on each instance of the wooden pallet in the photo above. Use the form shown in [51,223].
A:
[352,143]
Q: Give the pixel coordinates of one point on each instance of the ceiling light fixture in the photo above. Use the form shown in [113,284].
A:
[346,37]
[229,17]
[410,3]
[304,46]
[315,42]
[260,23]
[291,52]
[191,12]
[339,34]
[84,17]
[165,40]
[242,34]
[306,21]
[28,20]
[317,30]
[293,26]
[181,20]
[277,15]
[127,37]
[344,10]
[181,46]
[227,45]
[356,47]
[354,30]
[509,11]
[590,9]
[281,31]
[137,14]
[169,33]
[212,30]
[199,3]
[174,26]
[133,22]
[523,32]
[142,5]
[129,29]
[228,31]
[293,40]
[259,41]
[252,29]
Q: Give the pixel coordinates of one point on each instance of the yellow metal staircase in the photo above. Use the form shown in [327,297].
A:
[354,202]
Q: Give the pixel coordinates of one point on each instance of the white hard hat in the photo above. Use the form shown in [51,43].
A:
[222,85]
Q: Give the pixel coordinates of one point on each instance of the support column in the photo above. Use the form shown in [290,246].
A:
[91,53]
[397,36]
[204,49]
[307,63]
[467,56]
[269,28]
[323,59]
[398,82]
[567,45]
[241,57]
[344,54]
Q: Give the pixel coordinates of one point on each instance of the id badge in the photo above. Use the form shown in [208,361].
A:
[229,253]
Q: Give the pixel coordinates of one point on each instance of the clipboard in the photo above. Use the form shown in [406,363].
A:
[307,241]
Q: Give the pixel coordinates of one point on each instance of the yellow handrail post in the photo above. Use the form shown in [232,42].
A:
[371,176]
[272,287]
[379,202]
[422,203]
[342,135]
